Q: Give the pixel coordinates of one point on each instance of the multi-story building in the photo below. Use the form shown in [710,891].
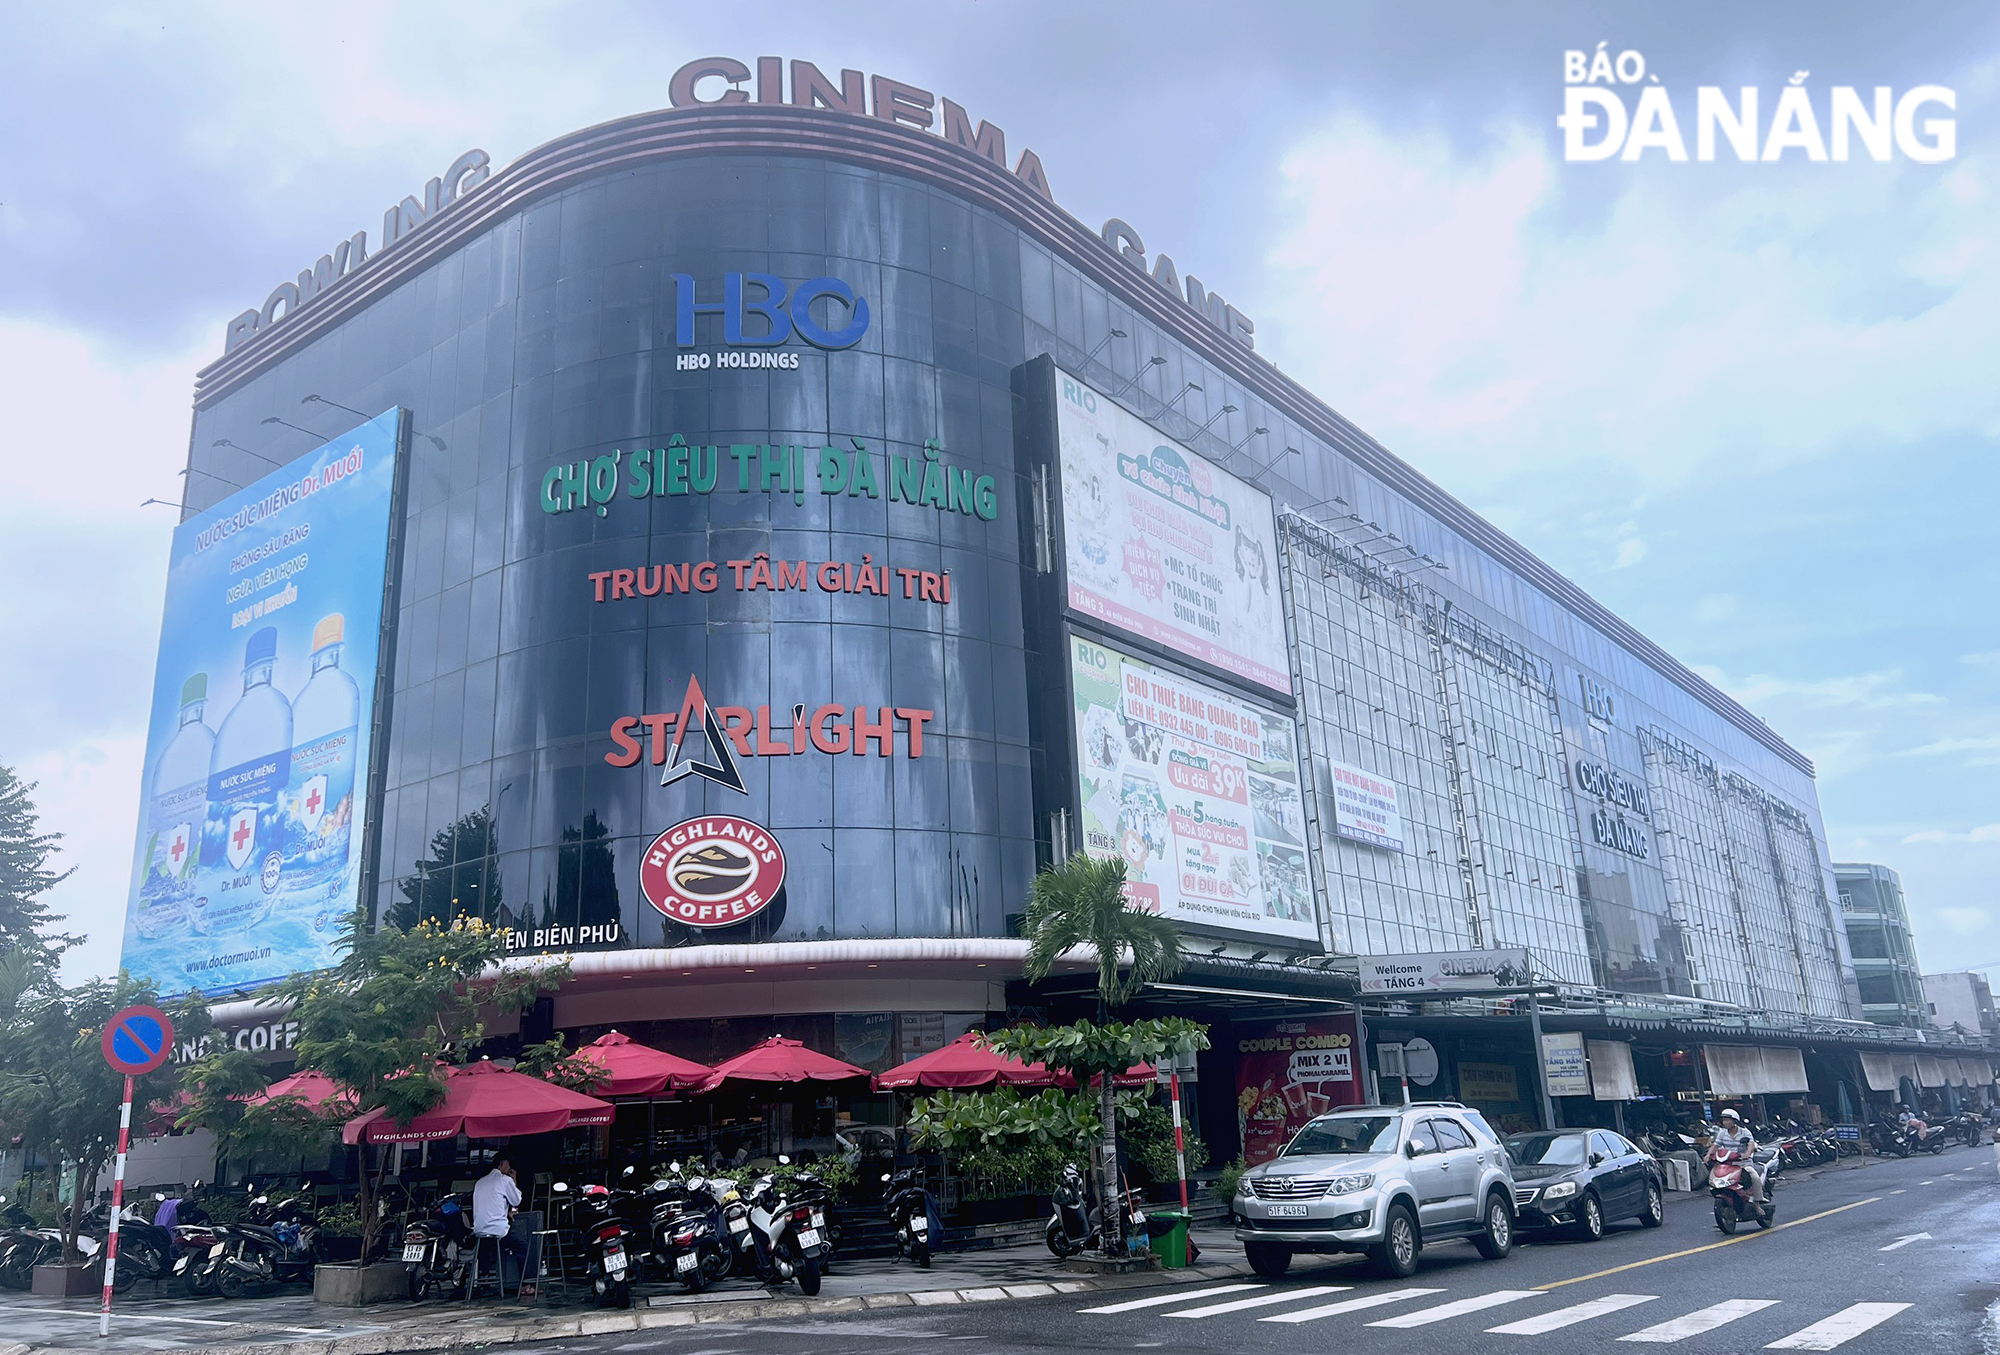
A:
[798,462]
[1883,946]
[1961,1004]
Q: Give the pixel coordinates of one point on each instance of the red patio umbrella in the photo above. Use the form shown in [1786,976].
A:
[964,1063]
[485,1101]
[1138,1075]
[780,1060]
[634,1069]
[311,1086]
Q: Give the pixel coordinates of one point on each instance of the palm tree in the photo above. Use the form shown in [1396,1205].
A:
[1082,903]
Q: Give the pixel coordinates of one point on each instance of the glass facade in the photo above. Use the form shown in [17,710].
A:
[549,338]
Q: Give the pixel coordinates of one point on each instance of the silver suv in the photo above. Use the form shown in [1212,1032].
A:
[1386,1181]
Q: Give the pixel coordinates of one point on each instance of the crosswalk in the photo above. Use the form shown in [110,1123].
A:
[1248,1300]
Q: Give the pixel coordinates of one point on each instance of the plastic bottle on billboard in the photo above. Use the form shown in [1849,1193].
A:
[242,848]
[319,817]
[175,812]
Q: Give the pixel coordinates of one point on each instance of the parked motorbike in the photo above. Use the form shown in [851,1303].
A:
[784,1225]
[1730,1190]
[143,1249]
[1968,1127]
[913,1214]
[277,1244]
[614,1249]
[688,1230]
[438,1251]
[1076,1223]
[23,1246]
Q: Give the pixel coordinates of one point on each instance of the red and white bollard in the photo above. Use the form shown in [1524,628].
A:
[1180,1162]
[117,1208]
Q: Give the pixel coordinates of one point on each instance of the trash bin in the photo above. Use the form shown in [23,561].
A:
[1168,1231]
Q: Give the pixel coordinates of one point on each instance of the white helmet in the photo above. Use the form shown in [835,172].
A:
[1729,1114]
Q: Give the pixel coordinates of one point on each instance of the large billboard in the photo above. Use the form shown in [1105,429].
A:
[1165,545]
[1197,790]
[255,798]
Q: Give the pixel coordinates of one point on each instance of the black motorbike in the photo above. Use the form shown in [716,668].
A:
[23,1246]
[438,1250]
[687,1231]
[613,1249]
[913,1214]
[1887,1138]
[277,1244]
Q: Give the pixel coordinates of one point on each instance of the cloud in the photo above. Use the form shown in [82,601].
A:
[1986,832]
[1630,552]
[1964,921]
[1955,744]
[1863,691]
[1486,309]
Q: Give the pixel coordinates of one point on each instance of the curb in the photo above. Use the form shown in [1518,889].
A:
[686,1315]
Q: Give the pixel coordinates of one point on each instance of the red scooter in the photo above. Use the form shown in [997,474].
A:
[1731,1192]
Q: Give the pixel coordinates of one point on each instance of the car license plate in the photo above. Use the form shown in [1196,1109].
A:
[739,1225]
[413,1251]
[808,1237]
[687,1260]
[1285,1211]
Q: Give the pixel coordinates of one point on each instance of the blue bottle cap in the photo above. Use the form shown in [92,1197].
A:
[262,648]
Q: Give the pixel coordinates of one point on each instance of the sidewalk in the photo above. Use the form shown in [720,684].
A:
[291,1324]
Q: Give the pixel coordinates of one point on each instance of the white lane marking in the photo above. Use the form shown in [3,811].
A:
[1896,1192]
[1926,1183]
[1351,1305]
[1700,1320]
[1906,1241]
[123,1316]
[1569,1317]
[1262,1300]
[1842,1327]
[1423,1317]
[1162,1300]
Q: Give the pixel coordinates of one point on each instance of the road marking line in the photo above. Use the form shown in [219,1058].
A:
[1162,1300]
[1841,1328]
[1351,1305]
[1905,1241]
[1569,1317]
[1262,1300]
[1897,1191]
[1701,1320]
[1926,1183]
[123,1316]
[1423,1317]
[1711,1246]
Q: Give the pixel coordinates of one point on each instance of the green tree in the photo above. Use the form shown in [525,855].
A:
[1082,903]
[219,1089]
[57,1092]
[25,875]
[400,1005]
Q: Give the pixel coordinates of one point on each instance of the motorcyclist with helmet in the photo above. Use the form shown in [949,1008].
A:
[1732,1135]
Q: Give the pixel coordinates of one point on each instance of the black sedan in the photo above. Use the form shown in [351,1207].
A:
[1578,1180]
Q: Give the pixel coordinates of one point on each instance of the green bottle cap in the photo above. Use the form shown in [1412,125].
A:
[194,689]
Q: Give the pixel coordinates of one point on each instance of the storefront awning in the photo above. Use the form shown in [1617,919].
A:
[1930,1072]
[1611,1075]
[1879,1071]
[1746,1070]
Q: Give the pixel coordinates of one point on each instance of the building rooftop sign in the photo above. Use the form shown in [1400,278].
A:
[715,80]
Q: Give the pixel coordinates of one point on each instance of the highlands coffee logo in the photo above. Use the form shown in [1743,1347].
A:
[1598,124]
[714,871]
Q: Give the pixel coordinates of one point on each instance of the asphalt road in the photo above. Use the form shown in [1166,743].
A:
[1902,1256]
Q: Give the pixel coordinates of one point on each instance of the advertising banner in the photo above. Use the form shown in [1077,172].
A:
[256,779]
[1446,971]
[1564,1064]
[1288,1073]
[1199,791]
[1364,807]
[1165,545]
[1488,1082]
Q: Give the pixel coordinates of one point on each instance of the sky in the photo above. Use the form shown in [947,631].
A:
[1750,407]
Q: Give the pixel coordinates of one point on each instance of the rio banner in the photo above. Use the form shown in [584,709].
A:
[1197,790]
[253,807]
[1165,545]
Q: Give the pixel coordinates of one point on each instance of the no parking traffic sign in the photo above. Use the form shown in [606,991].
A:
[138,1040]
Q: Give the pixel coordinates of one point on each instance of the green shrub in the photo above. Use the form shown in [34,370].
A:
[1149,1146]
[1226,1180]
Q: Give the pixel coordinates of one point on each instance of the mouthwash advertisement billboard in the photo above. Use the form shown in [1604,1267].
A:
[256,780]
[1198,790]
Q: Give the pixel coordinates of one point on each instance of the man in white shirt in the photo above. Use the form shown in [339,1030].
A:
[494,1202]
